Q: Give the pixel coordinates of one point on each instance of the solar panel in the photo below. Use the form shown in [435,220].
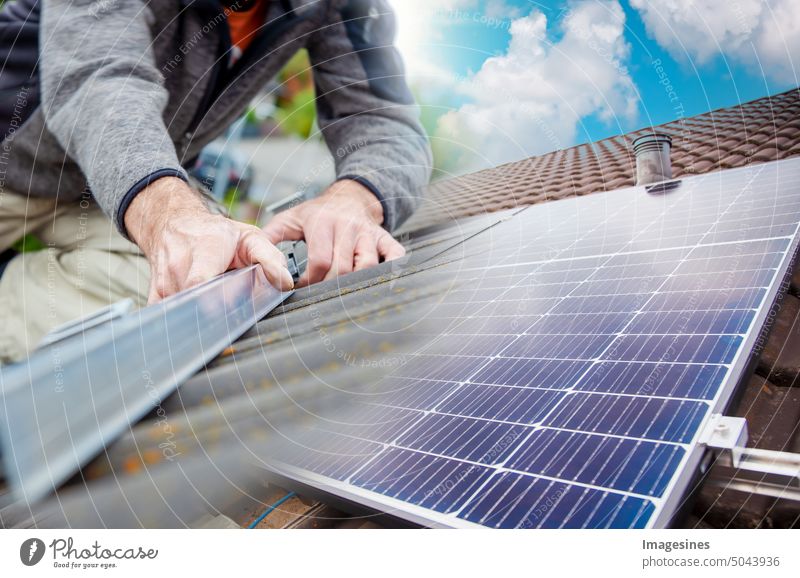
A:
[566,380]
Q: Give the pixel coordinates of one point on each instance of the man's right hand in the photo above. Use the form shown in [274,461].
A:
[186,244]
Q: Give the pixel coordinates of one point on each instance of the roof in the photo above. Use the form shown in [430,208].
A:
[323,335]
[763,130]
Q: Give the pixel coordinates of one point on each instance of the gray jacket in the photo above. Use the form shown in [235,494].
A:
[127,91]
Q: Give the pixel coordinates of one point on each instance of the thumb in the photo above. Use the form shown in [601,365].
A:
[284,227]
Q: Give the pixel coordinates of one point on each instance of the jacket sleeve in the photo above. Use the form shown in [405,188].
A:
[103,97]
[365,109]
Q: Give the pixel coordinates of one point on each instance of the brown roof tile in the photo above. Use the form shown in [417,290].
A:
[763,130]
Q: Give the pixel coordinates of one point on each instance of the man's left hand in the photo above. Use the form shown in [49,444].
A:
[342,228]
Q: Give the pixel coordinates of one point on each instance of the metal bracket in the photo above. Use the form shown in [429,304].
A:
[728,435]
[296,257]
[78,326]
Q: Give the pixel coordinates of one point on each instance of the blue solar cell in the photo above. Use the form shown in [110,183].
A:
[517,501]
[728,236]
[730,321]
[635,270]
[437,483]
[590,263]
[707,299]
[556,277]
[622,464]
[497,281]
[607,304]
[338,457]
[767,249]
[748,220]
[619,286]
[647,258]
[728,263]
[659,379]
[499,325]
[671,348]
[501,402]
[408,393]
[493,308]
[730,280]
[455,368]
[468,345]
[638,417]
[474,440]
[558,346]
[368,422]
[663,243]
[549,374]
[537,291]
[586,323]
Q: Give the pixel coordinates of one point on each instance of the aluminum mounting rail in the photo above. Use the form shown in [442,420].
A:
[74,396]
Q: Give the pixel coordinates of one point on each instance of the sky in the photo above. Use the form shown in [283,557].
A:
[500,80]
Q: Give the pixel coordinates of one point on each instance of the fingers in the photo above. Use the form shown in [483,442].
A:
[208,260]
[178,269]
[162,278]
[341,233]
[366,252]
[320,251]
[284,226]
[256,248]
[344,247]
[201,270]
[196,250]
[389,248]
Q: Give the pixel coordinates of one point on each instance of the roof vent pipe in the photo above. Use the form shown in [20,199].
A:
[652,158]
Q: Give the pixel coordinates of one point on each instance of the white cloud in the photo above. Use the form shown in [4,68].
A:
[419,26]
[758,33]
[501,9]
[423,24]
[532,99]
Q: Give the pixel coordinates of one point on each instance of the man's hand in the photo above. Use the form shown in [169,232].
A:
[342,229]
[186,244]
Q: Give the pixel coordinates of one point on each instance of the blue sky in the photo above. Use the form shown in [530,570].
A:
[512,78]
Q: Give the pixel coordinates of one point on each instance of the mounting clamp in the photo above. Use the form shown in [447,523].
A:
[728,437]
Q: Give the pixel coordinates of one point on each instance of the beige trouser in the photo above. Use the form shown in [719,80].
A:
[85,266]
